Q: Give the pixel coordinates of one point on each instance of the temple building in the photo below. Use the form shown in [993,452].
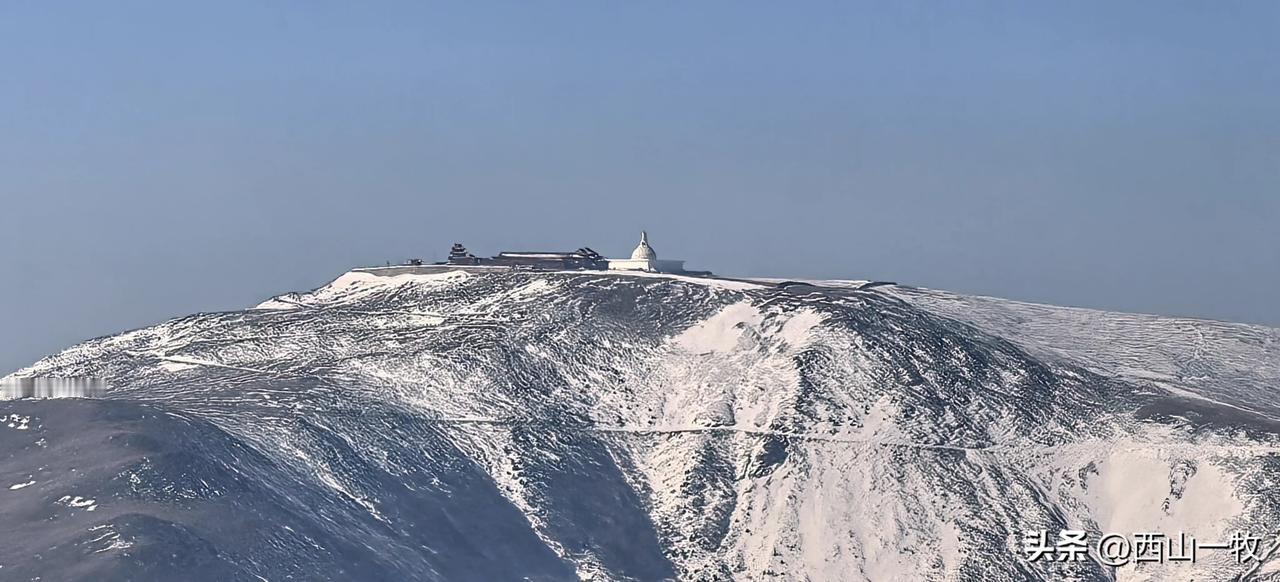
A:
[644,258]
[581,259]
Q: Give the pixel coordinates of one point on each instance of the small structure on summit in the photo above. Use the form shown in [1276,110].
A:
[643,258]
[458,255]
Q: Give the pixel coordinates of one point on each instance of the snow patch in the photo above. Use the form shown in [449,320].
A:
[277,304]
[78,502]
[109,538]
[796,330]
[355,285]
[720,333]
[714,282]
[173,365]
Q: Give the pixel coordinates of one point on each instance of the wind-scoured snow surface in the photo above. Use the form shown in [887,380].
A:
[503,425]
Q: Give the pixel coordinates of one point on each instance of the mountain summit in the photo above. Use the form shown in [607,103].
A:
[509,425]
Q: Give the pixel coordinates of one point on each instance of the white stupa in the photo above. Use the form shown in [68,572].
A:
[644,258]
[643,251]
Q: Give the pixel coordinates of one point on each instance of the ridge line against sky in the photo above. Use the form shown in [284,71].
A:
[159,160]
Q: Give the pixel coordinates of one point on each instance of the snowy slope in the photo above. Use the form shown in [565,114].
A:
[494,425]
[1232,363]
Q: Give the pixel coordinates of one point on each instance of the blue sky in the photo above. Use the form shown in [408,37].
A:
[158,159]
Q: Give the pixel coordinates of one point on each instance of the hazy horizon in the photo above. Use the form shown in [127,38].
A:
[161,160]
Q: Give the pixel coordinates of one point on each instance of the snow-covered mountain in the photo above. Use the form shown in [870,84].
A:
[506,425]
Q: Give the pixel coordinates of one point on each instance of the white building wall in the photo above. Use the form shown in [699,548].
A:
[654,266]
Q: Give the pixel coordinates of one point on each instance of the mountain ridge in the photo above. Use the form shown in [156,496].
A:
[653,427]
